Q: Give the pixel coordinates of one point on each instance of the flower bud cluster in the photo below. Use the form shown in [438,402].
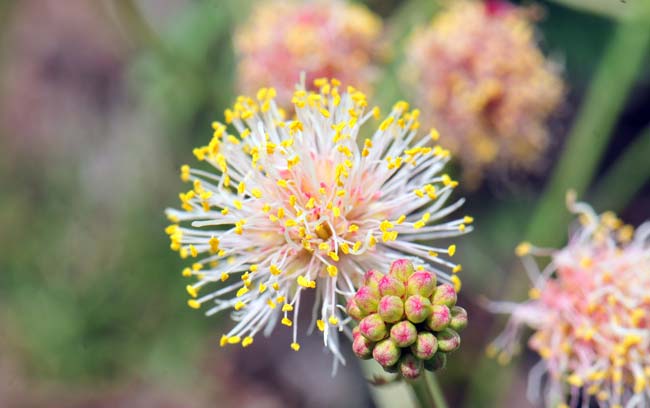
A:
[406,322]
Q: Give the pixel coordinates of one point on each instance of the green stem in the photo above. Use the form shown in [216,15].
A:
[436,391]
[602,105]
[626,177]
[587,141]
[421,392]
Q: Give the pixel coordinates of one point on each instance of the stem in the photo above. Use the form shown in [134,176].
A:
[604,101]
[421,391]
[436,391]
[626,177]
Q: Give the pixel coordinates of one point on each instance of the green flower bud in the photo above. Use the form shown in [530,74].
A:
[417,308]
[373,327]
[439,319]
[445,295]
[372,278]
[458,318]
[386,353]
[421,283]
[401,269]
[425,346]
[389,285]
[403,333]
[354,311]
[438,362]
[448,340]
[391,309]
[362,347]
[410,367]
[366,300]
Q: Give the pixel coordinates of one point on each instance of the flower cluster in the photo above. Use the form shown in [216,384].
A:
[321,38]
[308,204]
[406,323]
[481,79]
[590,310]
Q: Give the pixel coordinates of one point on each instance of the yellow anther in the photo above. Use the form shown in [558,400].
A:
[451,250]
[275,270]
[287,308]
[192,291]
[187,272]
[333,255]
[224,276]
[287,322]
[320,324]
[224,340]
[468,220]
[400,219]
[336,211]
[333,320]
[295,346]
[457,268]
[282,183]
[534,293]
[238,204]
[458,284]
[575,380]
[332,270]
[386,123]
[239,305]
[353,228]
[193,303]
[234,340]
[242,291]
[194,251]
[523,249]
[256,192]
[385,225]
[247,341]
[419,224]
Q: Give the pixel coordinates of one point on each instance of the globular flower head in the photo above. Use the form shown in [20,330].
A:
[321,38]
[590,312]
[480,77]
[307,204]
[408,332]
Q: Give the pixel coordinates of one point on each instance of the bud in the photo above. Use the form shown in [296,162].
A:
[445,295]
[448,340]
[410,367]
[401,269]
[439,319]
[458,318]
[417,308]
[366,300]
[421,283]
[438,362]
[354,311]
[391,309]
[386,353]
[372,278]
[425,346]
[362,347]
[389,285]
[356,332]
[403,333]
[373,327]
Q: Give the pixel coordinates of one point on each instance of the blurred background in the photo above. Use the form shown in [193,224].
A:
[100,104]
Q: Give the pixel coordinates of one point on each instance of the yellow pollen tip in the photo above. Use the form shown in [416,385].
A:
[192,291]
[247,341]
[451,250]
[295,346]
[320,324]
[333,320]
[193,303]
[287,322]
[523,249]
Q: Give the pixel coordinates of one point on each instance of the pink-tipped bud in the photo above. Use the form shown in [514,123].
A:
[386,353]
[410,367]
[362,347]
[401,269]
[458,318]
[439,319]
[438,362]
[445,295]
[417,308]
[425,346]
[390,286]
[366,300]
[354,311]
[391,309]
[372,278]
[403,333]
[373,328]
[421,283]
[356,332]
[448,340]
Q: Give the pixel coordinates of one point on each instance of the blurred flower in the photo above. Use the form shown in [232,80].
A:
[483,82]
[321,38]
[298,205]
[590,310]
[406,323]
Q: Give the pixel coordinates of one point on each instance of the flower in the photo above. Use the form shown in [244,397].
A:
[321,38]
[298,205]
[590,312]
[481,79]
[406,323]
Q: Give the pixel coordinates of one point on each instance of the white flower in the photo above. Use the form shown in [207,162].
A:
[299,205]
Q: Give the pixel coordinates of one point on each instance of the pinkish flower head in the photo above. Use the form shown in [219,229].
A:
[362,347]
[448,340]
[401,269]
[391,286]
[421,283]
[403,333]
[425,346]
[372,278]
[410,367]
[281,39]
[373,327]
[386,352]
[417,308]
[590,312]
[353,310]
[439,319]
[366,300]
[481,78]
[444,295]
